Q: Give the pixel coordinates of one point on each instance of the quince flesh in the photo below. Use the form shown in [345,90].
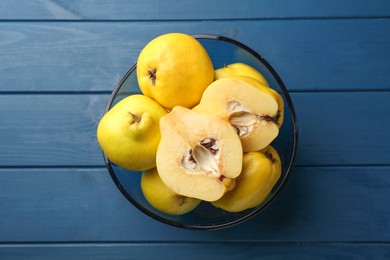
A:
[199,154]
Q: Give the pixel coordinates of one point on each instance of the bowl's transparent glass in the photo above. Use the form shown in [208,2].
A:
[222,51]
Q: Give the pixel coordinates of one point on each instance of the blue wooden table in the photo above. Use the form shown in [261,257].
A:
[59,62]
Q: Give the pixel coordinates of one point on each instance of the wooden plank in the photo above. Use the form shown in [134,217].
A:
[334,204]
[82,56]
[206,251]
[187,10]
[44,130]
[335,128]
[340,128]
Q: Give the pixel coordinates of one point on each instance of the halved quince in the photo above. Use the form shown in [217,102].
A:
[254,112]
[199,154]
[260,172]
[258,84]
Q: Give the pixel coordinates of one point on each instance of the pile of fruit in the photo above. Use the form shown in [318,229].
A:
[196,133]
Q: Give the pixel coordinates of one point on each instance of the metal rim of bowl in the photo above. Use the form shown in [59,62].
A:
[268,200]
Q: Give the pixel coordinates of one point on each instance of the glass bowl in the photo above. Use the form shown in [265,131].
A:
[222,51]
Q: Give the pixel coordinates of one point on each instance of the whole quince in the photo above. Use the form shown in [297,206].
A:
[163,198]
[129,133]
[240,69]
[260,172]
[174,69]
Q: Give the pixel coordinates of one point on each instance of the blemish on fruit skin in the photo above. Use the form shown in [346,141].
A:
[270,156]
[182,200]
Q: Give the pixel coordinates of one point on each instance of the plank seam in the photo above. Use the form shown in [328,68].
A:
[184,243]
[300,18]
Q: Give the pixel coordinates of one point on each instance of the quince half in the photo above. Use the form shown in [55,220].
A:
[199,154]
[254,112]
[256,83]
